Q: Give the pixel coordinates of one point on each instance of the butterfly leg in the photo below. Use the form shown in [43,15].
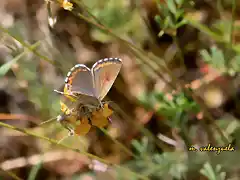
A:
[70,130]
[87,113]
[71,133]
[101,103]
[65,124]
[89,121]
[109,119]
[84,112]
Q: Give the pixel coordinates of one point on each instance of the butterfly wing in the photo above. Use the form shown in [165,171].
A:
[79,81]
[67,104]
[104,73]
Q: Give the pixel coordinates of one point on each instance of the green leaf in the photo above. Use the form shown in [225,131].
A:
[218,168]
[145,101]
[205,55]
[222,175]
[34,171]
[181,23]
[179,13]
[181,100]
[7,66]
[169,113]
[137,145]
[177,119]
[159,96]
[166,22]
[161,33]
[237,47]
[208,171]
[172,7]
[217,57]
[158,19]
[236,63]
[160,6]
[179,2]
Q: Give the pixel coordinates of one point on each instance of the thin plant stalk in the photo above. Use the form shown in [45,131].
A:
[11,174]
[26,45]
[53,141]
[232,22]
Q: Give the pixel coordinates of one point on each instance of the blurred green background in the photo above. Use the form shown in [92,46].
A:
[178,88]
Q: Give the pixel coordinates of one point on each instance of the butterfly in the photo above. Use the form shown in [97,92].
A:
[84,91]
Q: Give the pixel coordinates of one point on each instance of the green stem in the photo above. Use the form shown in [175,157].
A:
[11,174]
[26,45]
[232,22]
[52,141]
[180,51]
[220,7]
[68,147]
[212,34]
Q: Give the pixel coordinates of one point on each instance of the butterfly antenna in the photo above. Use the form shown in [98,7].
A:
[109,102]
[112,103]
[100,102]
[62,93]
[59,92]
[47,121]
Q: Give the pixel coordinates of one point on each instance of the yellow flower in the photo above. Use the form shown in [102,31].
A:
[67,5]
[106,111]
[100,117]
[83,127]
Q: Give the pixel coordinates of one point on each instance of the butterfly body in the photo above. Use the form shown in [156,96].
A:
[81,119]
[84,91]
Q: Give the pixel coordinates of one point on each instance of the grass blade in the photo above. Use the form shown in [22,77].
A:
[7,66]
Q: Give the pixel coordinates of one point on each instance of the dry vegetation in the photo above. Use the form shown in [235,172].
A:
[178,88]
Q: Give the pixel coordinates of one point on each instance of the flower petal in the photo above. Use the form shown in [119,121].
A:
[83,128]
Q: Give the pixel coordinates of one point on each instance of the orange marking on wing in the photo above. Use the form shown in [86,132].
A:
[106,78]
